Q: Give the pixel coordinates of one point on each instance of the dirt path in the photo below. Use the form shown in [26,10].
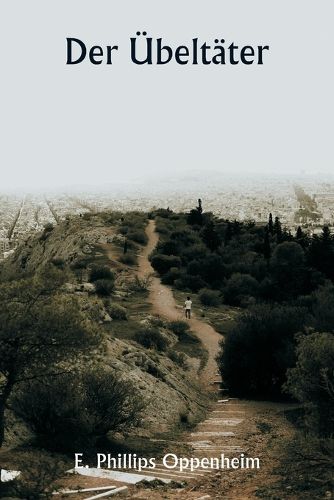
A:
[163,304]
[231,427]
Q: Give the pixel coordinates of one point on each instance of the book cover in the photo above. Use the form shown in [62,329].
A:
[166,250]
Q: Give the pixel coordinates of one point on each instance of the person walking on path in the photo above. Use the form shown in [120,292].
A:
[187,307]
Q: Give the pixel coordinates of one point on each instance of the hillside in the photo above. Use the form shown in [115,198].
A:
[165,376]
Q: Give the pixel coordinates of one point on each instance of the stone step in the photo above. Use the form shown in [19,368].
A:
[123,477]
[171,474]
[226,411]
[109,493]
[214,433]
[222,421]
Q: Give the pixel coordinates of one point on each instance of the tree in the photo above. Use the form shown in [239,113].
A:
[301,237]
[326,235]
[75,410]
[163,263]
[321,253]
[278,229]
[239,288]
[42,333]
[228,233]
[125,246]
[287,266]
[311,381]
[211,237]
[270,224]
[101,272]
[195,216]
[266,245]
[261,346]
[299,233]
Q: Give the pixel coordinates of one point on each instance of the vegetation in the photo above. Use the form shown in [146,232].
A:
[38,479]
[104,287]
[151,338]
[100,273]
[75,410]
[180,328]
[209,297]
[128,259]
[103,279]
[116,311]
[260,348]
[311,381]
[282,343]
[42,333]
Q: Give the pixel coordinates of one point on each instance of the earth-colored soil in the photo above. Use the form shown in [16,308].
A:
[261,425]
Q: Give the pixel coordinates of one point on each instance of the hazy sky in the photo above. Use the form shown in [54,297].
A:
[85,124]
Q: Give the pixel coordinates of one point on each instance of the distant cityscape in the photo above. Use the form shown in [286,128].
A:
[306,201]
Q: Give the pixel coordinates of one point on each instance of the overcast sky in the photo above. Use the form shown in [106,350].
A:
[88,124]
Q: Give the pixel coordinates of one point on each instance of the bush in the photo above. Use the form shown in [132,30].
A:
[116,311]
[129,259]
[212,269]
[323,308]
[58,262]
[179,358]
[311,381]
[259,349]
[74,410]
[173,274]
[104,287]
[209,297]
[139,236]
[179,327]
[151,338]
[48,227]
[239,287]
[163,263]
[188,282]
[140,284]
[37,481]
[100,273]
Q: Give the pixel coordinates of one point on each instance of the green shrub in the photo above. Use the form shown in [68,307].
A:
[100,273]
[48,227]
[116,311]
[163,263]
[173,274]
[259,349]
[104,287]
[311,381]
[139,236]
[75,410]
[209,297]
[179,358]
[128,259]
[151,338]
[38,479]
[140,284]
[239,287]
[188,282]
[179,327]
[157,322]
[58,262]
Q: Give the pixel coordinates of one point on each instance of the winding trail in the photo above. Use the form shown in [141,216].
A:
[163,303]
